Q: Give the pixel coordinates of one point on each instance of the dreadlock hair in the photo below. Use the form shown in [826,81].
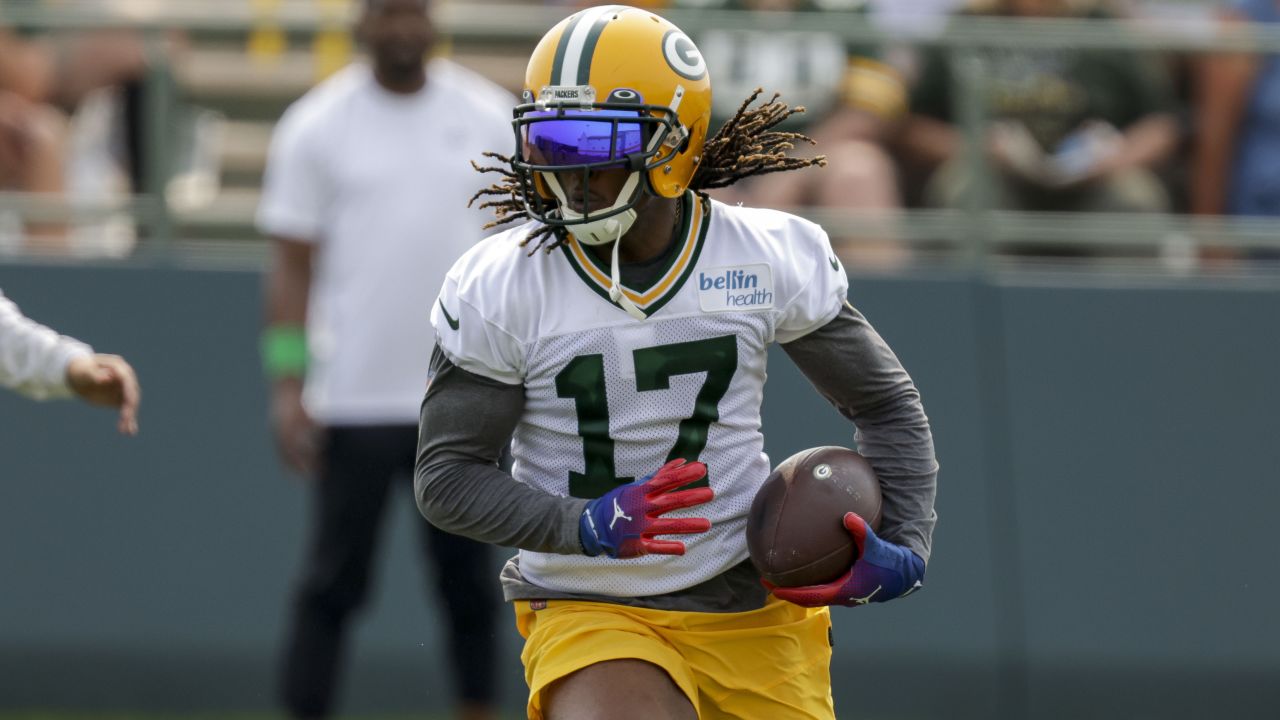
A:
[745,146]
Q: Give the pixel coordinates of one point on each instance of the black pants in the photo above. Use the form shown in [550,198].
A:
[358,466]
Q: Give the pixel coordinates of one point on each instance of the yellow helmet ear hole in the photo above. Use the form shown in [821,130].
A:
[697,131]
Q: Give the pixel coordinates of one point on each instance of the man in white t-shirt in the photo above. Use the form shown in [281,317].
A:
[365,198]
[41,364]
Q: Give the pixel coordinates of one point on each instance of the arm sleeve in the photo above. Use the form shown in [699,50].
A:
[854,369]
[33,358]
[293,194]
[467,421]
[820,285]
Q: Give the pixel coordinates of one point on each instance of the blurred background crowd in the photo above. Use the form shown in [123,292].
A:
[124,120]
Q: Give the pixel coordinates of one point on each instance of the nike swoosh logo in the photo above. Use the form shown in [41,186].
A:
[834,265]
[453,324]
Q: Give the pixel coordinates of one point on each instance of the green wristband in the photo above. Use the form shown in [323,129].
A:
[284,351]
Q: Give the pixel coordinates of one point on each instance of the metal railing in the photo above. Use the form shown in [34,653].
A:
[971,233]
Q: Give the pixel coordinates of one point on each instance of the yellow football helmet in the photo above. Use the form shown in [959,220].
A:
[610,87]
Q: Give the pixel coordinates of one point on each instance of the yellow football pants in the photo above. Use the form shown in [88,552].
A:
[769,663]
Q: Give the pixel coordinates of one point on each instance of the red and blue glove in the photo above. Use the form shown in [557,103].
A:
[883,571]
[622,523]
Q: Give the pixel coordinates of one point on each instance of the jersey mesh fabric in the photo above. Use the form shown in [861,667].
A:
[644,427]
[760,276]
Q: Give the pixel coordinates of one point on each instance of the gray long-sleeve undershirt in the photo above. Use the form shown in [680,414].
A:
[467,421]
[853,368]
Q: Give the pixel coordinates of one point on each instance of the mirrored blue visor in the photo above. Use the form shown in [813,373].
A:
[582,137]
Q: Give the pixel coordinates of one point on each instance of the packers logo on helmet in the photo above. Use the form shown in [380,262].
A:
[610,87]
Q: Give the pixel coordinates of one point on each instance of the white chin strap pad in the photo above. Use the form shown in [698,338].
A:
[615,284]
[604,230]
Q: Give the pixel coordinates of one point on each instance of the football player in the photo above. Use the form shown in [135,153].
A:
[618,338]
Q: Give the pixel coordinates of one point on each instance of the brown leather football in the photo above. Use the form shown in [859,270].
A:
[795,530]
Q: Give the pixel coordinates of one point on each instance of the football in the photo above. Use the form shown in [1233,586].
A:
[795,530]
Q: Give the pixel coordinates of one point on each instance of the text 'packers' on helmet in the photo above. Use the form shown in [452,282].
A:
[610,87]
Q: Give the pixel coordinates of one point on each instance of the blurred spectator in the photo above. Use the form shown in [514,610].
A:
[1236,167]
[63,68]
[852,99]
[366,201]
[32,153]
[1070,130]
[79,95]
[33,139]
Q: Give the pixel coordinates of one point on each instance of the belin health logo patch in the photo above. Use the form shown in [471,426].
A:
[744,287]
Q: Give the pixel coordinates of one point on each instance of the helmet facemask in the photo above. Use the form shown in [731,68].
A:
[565,131]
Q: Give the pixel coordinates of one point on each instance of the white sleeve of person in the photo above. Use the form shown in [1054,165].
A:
[34,358]
[814,284]
[293,197]
[472,338]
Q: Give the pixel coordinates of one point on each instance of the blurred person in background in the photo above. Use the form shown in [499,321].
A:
[52,77]
[39,363]
[33,143]
[63,69]
[853,99]
[32,154]
[365,199]
[1236,160]
[1070,130]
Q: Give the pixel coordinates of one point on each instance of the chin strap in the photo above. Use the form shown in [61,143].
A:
[615,286]
[604,230]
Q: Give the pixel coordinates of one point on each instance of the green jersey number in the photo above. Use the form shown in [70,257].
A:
[582,380]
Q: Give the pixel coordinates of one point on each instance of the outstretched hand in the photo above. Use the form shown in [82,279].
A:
[107,380]
[622,523]
[882,571]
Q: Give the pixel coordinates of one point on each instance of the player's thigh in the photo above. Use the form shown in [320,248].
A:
[778,665]
[800,696]
[583,640]
[620,690]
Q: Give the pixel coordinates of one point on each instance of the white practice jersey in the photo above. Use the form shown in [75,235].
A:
[610,398]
